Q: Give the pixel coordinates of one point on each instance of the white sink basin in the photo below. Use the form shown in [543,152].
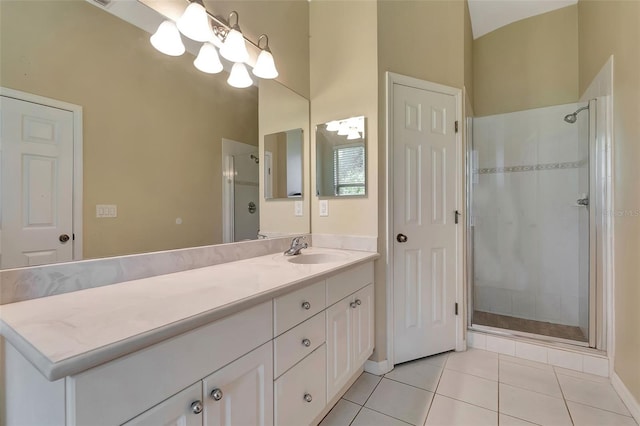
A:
[316,258]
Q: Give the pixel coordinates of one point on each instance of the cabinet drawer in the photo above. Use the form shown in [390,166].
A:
[297,306]
[341,285]
[290,347]
[307,379]
[153,374]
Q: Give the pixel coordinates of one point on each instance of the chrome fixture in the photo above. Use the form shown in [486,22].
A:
[583,201]
[255,158]
[306,342]
[355,304]
[195,23]
[573,117]
[308,397]
[196,407]
[216,394]
[306,305]
[296,247]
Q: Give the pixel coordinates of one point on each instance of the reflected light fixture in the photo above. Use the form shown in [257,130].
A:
[333,126]
[194,22]
[239,76]
[344,128]
[167,39]
[353,134]
[234,48]
[265,66]
[208,60]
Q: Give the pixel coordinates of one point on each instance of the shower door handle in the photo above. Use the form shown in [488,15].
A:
[583,201]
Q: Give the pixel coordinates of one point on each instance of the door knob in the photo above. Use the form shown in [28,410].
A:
[401,238]
[63,238]
[196,407]
[216,394]
[308,397]
[306,342]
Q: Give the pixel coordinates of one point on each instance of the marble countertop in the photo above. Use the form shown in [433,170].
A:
[69,333]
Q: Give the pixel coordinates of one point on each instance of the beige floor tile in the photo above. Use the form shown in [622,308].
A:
[438,360]
[526,362]
[476,362]
[342,414]
[400,401]
[420,373]
[532,406]
[450,412]
[531,378]
[581,375]
[362,389]
[598,395]
[471,389]
[583,415]
[368,417]
[504,420]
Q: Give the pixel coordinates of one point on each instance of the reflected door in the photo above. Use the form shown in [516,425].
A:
[37,152]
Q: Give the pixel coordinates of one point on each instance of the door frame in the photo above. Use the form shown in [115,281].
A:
[77,201]
[391,80]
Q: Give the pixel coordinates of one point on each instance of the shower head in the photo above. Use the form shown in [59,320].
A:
[573,117]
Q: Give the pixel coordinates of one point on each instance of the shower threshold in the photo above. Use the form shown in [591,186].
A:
[559,331]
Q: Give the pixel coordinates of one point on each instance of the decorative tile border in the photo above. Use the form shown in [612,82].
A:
[532,168]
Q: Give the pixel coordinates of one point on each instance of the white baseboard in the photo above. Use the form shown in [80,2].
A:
[632,404]
[378,368]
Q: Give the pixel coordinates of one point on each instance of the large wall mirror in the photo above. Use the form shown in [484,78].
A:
[341,158]
[157,134]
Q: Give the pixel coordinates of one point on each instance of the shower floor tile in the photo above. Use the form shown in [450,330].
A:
[529,326]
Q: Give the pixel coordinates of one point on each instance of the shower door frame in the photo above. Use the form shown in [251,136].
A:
[599,199]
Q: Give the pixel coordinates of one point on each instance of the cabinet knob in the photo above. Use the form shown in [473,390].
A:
[306,342]
[216,394]
[196,407]
[306,305]
[353,305]
[308,397]
[358,302]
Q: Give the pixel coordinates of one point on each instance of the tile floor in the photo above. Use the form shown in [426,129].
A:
[477,388]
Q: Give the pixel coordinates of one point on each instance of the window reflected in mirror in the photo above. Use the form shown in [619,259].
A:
[283,165]
[341,158]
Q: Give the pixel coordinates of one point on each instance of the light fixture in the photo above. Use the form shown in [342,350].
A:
[353,134]
[234,48]
[265,66]
[344,128]
[208,60]
[239,76]
[194,22]
[333,126]
[167,39]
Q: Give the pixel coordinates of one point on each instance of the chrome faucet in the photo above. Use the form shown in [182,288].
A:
[296,247]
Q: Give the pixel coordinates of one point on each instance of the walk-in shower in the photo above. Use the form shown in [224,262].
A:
[530,232]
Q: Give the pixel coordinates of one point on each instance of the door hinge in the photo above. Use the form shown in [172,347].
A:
[456,308]
[456,216]
[456,126]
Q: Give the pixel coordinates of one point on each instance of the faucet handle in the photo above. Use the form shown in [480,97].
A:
[296,240]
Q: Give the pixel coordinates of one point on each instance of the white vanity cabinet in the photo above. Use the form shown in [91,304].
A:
[182,409]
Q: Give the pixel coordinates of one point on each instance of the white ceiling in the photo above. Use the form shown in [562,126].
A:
[489,15]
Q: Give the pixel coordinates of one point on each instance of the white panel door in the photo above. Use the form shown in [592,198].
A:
[36,145]
[242,392]
[363,325]
[339,343]
[182,409]
[425,235]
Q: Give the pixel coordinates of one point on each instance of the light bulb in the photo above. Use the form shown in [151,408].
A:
[194,23]
[167,39]
[239,76]
[208,60]
[265,66]
[234,48]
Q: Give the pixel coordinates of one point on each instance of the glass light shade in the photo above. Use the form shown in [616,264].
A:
[194,23]
[167,39]
[208,60]
[234,49]
[265,66]
[333,126]
[239,76]
[353,134]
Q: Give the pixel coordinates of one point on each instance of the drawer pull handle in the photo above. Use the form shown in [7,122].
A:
[306,305]
[196,407]
[358,302]
[306,342]
[307,397]
[216,394]
[353,305]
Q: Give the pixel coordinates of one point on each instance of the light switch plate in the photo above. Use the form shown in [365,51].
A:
[324,207]
[297,208]
[106,210]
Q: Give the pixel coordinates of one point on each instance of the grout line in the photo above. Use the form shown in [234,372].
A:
[413,386]
[365,401]
[602,409]
[385,414]
[564,399]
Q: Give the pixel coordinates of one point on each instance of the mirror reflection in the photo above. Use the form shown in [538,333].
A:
[150,173]
[341,158]
[283,164]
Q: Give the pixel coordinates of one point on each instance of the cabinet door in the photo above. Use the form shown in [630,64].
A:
[242,392]
[362,324]
[339,342]
[182,409]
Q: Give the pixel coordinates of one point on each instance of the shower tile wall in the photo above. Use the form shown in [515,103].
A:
[525,218]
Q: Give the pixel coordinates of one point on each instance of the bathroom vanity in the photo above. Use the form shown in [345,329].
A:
[267,340]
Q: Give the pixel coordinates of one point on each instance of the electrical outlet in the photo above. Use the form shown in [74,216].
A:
[297,208]
[106,210]
[324,207]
